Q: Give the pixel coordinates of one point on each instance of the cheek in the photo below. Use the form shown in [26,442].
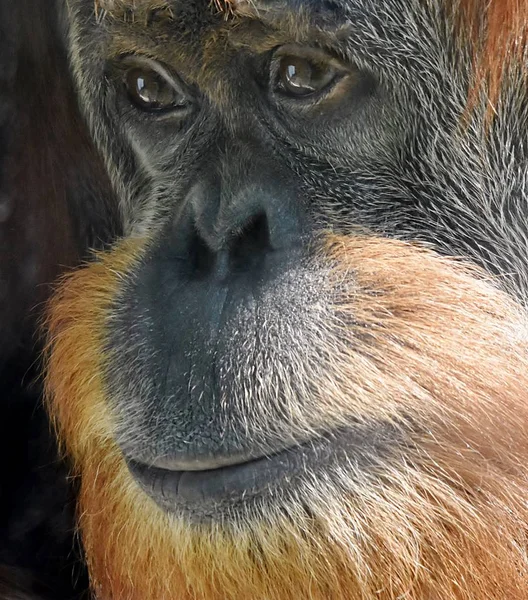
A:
[364,342]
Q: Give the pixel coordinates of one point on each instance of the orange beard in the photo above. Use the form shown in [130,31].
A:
[442,516]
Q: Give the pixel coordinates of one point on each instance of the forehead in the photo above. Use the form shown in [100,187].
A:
[379,22]
[225,7]
[197,17]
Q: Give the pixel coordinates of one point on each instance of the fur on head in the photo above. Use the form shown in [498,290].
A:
[424,345]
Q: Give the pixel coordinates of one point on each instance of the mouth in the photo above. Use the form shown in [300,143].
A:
[204,494]
[199,487]
[198,493]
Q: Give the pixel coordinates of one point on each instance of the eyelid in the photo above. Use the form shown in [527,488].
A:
[316,55]
[135,60]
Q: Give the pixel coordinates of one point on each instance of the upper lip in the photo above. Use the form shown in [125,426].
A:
[209,463]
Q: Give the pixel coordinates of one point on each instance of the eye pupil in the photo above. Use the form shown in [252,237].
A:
[144,92]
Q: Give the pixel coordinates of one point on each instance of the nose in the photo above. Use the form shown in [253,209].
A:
[224,232]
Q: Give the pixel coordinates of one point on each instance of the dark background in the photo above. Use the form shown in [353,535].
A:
[54,202]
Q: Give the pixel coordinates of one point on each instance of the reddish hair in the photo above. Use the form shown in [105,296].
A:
[498,32]
[496,29]
[441,517]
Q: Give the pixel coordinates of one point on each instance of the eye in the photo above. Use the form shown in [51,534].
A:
[150,91]
[300,76]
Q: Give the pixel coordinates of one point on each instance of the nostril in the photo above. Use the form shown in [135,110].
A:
[202,258]
[251,244]
[243,250]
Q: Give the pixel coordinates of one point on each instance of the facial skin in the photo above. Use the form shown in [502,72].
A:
[266,373]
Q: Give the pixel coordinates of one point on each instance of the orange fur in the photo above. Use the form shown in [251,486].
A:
[441,517]
[499,35]
[78,328]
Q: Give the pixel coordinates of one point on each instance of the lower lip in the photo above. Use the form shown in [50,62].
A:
[200,493]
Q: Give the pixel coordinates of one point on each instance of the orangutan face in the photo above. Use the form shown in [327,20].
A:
[267,388]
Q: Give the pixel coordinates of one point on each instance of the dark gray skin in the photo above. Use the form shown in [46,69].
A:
[234,183]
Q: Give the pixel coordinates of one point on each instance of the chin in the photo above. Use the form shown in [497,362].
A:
[336,436]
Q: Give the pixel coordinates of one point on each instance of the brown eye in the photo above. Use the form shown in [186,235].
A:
[300,76]
[150,91]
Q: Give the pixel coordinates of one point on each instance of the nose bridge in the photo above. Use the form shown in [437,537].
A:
[238,157]
[245,176]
